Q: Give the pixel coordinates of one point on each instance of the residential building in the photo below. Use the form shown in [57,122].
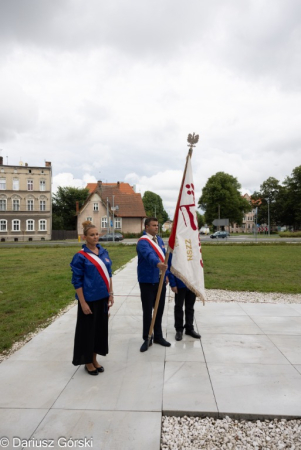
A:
[25,202]
[108,200]
[249,219]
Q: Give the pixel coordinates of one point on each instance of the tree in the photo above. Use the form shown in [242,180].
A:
[292,202]
[201,219]
[64,207]
[153,206]
[221,198]
[270,199]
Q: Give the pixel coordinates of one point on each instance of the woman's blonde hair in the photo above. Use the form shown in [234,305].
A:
[87,225]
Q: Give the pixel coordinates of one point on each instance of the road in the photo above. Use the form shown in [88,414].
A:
[232,239]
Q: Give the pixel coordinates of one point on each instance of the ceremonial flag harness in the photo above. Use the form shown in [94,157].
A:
[100,266]
[155,246]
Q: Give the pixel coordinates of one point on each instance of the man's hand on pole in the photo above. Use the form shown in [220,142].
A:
[162,266]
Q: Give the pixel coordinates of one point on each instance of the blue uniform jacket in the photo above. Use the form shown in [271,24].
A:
[148,259]
[85,275]
[173,280]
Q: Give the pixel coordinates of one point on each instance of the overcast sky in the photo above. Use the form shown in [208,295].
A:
[109,90]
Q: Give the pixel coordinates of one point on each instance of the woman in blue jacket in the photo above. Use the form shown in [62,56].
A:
[92,280]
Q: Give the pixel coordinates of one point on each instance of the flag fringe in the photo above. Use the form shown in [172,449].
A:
[189,285]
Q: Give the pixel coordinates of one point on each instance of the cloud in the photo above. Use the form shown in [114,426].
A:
[112,89]
[67,180]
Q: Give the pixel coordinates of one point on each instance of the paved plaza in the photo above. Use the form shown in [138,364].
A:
[247,365]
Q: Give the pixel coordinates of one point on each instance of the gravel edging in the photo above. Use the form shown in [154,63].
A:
[195,433]
[223,296]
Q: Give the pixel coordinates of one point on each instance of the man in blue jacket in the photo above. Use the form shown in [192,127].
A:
[151,255]
[182,294]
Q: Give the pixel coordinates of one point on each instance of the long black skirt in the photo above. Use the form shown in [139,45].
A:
[91,333]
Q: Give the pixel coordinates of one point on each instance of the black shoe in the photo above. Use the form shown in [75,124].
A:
[91,372]
[179,335]
[145,345]
[100,369]
[162,341]
[193,333]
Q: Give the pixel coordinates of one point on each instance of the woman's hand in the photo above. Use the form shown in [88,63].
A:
[111,300]
[86,308]
[174,289]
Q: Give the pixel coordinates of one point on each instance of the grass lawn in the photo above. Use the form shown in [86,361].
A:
[253,267]
[36,284]
[36,281]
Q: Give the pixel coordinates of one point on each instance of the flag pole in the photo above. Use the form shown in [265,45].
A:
[192,139]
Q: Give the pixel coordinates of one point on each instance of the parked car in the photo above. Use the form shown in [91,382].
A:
[219,235]
[109,237]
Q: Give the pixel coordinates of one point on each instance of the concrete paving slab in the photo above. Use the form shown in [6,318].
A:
[187,389]
[290,347]
[279,325]
[244,349]
[256,390]
[126,430]
[188,349]
[19,423]
[218,309]
[296,307]
[32,384]
[269,309]
[126,348]
[133,387]
[59,348]
[121,324]
[226,324]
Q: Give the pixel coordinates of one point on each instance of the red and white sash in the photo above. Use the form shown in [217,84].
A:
[155,246]
[100,266]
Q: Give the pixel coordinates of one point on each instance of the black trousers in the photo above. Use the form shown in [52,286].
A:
[148,297]
[186,296]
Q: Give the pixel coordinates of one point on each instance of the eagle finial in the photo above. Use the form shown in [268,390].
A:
[192,139]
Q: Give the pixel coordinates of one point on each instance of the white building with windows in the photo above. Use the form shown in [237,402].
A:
[25,202]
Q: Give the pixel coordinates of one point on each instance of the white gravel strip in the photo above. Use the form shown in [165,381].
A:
[222,296]
[218,295]
[195,433]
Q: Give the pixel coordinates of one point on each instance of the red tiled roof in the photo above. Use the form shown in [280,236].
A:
[129,202]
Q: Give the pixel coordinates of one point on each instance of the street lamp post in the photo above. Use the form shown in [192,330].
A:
[268,202]
[114,208]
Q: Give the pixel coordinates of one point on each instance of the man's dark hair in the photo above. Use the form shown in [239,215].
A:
[148,220]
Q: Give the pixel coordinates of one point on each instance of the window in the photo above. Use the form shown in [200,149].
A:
[104,221]
[42,185]
[89,218]
[42,205]
[2,184]
[3,225]
[29,225]
[118,223]
[42,225]
[30,185]
[15,184]
[16,205]
[95,206]
[16,225]
[2,205]
[29,205]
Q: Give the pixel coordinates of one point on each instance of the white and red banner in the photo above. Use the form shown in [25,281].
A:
[155,246]
[184,241]
[100,266]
